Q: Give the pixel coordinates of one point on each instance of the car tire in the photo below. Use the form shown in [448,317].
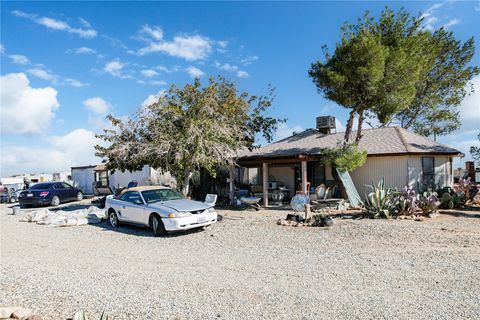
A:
[79,196]
[55,201]
[157,226]
[113,218]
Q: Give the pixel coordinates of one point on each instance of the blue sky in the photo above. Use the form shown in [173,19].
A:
[65,65]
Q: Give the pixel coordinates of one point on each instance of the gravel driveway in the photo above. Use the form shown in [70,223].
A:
[247,267]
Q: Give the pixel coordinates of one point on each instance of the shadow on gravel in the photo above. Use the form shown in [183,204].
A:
[464,213]
[141,231]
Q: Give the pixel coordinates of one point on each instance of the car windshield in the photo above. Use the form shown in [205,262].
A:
[157,195]
[41,186]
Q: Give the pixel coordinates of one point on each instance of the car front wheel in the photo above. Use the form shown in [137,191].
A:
[79,196]
[55,201]
[113,219]
[158,226]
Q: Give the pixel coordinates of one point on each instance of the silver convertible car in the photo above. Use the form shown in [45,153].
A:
[160,208]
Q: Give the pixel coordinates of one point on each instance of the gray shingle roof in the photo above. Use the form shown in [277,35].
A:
[379,141]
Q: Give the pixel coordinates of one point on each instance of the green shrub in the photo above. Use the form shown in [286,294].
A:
[346,157]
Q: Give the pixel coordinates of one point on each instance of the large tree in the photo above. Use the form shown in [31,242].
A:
[395,70]
[188,129]
[442,85]
[374,68]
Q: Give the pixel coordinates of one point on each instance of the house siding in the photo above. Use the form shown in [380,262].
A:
[399,171]
[83,178]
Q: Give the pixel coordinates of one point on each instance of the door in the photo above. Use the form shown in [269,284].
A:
[132,208]
[69,191]
[61,192]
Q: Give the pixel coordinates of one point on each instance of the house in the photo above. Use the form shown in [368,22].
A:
[86,177]
[399,156]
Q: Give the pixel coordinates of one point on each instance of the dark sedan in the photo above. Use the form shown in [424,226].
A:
[52,193]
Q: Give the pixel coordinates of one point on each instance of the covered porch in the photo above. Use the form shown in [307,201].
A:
[278,179]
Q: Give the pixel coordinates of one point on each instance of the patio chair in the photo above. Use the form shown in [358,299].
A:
[211,199]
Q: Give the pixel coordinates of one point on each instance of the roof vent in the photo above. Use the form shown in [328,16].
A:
[325,124]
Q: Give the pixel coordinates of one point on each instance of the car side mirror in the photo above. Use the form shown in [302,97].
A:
[137,201]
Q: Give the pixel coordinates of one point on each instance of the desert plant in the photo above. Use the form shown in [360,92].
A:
[428,202]
[407,201]
[381,202]
[321,220]
[80,315]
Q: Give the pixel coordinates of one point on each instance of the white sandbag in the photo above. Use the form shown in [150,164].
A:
[58,221]
[82,221]
[27,217]
[39,215]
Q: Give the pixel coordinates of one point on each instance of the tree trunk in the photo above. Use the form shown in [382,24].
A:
[186,182]
[348,126]
[361,117]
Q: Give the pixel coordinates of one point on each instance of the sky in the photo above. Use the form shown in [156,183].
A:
[66,65]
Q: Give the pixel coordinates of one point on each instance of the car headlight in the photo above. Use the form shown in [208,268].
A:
[179,214]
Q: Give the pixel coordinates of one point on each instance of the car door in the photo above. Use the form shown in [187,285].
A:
[59,190]
[70,191]
[132,207]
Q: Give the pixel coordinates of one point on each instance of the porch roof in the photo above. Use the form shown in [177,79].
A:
[378,141]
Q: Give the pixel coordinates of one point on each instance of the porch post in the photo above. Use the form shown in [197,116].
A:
[304,177]
[232,179]
[265,183]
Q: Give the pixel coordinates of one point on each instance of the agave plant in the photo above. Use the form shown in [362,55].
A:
[380,202]
[407,201]
[80,315]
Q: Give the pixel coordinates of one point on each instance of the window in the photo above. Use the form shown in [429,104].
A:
[66,186]
[428,171]
[157,195]
[132,197]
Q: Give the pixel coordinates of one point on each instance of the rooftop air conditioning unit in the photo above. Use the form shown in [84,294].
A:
[325,124]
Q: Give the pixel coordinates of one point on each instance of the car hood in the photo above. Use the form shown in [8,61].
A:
[182,205]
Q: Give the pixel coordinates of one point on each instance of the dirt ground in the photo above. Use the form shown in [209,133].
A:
[247,267]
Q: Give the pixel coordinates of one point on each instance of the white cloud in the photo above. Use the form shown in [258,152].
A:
[81,50]
[158,82]
[226,67]
[432,18]
[249,60]
[151,99]
[58,25]
[97,105]
[242,74]
[61,152]
[19,59]
[75,83]
[42,74]
[194,72]
[470,107]
[154,32]
[188,47]
[451,23]
[114,68]
[149,73]
[284,130]
[25,109]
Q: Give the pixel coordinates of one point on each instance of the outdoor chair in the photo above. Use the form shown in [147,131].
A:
[211,199]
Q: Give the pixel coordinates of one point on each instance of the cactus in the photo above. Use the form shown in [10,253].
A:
[381,202]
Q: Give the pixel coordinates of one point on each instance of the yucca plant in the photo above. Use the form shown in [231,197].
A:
[380,202]
[80,315]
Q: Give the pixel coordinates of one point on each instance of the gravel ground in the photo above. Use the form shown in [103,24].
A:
[247,267]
